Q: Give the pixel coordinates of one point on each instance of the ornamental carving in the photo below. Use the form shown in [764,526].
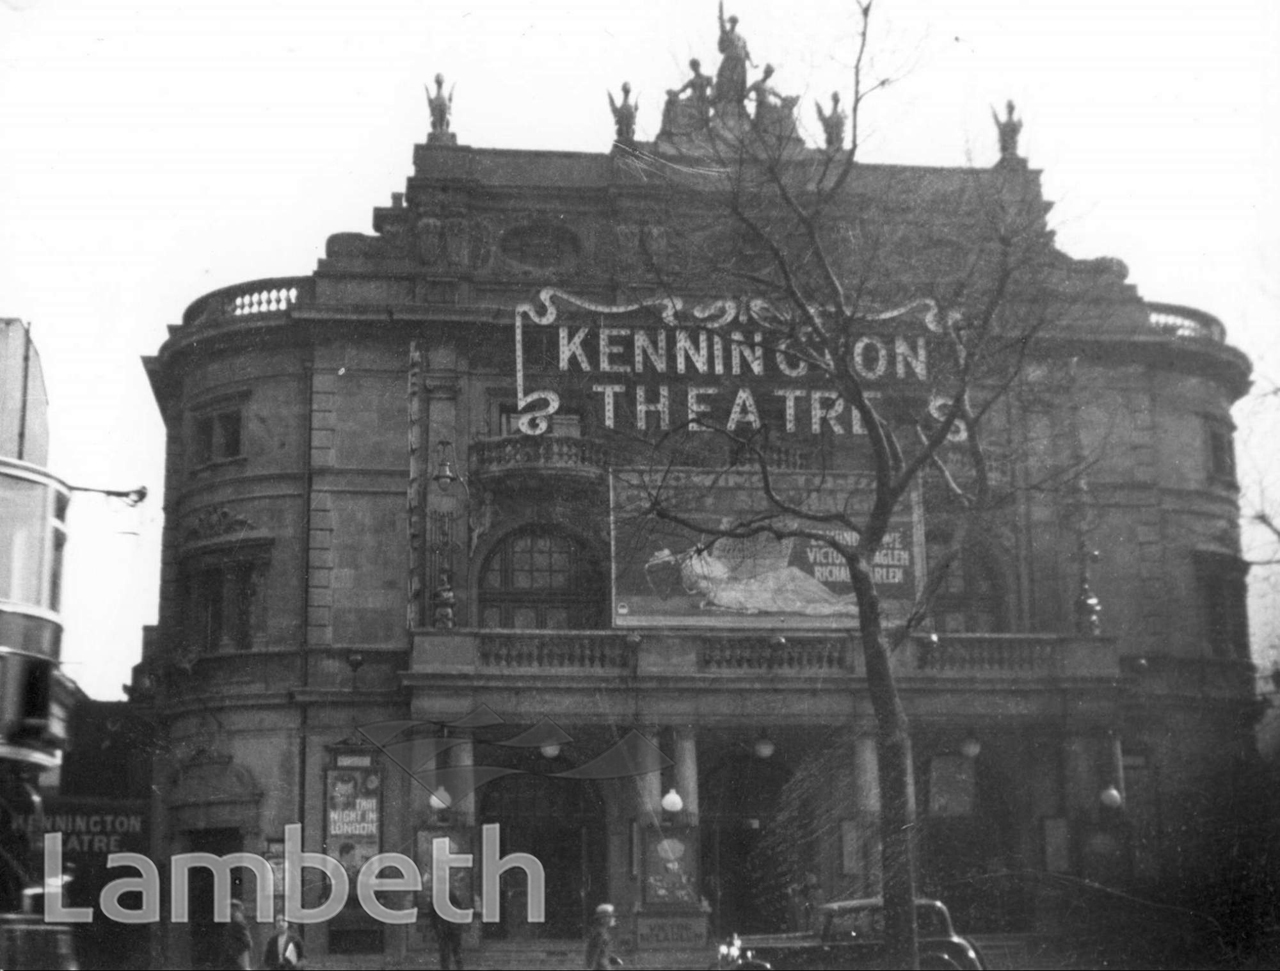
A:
[453,242]
[214,523]
[540,245]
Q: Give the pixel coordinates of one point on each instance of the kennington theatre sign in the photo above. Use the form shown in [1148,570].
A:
[667,364]
[662,365]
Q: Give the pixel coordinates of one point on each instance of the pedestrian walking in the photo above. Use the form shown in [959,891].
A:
[237,942]
[448,933]
[600,943]
[284,949]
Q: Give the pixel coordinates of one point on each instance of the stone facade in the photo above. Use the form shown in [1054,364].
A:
[357,533]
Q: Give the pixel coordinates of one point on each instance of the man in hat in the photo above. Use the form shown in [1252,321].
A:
[600,943]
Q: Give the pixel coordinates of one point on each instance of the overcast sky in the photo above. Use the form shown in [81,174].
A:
[158,149]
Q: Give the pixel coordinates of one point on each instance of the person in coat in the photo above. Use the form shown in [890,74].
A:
[600,943]
[284,948]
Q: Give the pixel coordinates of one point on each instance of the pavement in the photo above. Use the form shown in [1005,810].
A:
[1007,951]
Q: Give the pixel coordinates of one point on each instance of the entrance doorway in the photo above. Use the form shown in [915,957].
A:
[561,823]
[739,797]
[207,937]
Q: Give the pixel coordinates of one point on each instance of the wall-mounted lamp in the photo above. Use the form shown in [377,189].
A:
[131,497]
[764,747]
[970,747]
[672,802]
[1111,797]
[550,751]
[444,475]
[440,799]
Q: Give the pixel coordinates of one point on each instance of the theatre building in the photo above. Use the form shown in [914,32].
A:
[412,586]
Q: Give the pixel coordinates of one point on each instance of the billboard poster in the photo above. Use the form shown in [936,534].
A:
[353,813]
[681,574]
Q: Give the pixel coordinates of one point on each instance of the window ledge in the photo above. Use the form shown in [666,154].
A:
[210,467]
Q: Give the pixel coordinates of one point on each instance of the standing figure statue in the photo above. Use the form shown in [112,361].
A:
[1008,128]
[440,106]
[624,117]
[765,95]
[833,124]
[699,86]
[731,78]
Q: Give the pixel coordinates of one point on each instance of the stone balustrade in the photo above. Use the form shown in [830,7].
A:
[252,298]
[556,651]
[787,655]
[1186,323]
[522,454]
[1030,659]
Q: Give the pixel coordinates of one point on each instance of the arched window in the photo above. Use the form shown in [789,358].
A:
[972,599]
[539,579]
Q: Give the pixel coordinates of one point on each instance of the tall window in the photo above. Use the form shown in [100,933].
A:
[1220,451]
[225,607]
[216,437]
[1220,582]
[541,579]
[972,598]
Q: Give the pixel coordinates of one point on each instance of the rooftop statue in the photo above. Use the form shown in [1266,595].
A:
[1008,129]
[699,86]
[440,106]
[765,94]
[731,78]
[833,124]
[624,117]
[773,111]
[689,106]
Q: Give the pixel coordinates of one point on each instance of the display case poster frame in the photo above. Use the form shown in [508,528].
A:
[669,867]
[353,812]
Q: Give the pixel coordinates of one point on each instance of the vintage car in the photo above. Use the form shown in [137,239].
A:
[850,934]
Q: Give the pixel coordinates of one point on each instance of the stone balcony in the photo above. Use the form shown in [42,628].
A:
[1026,658]
[253,298]
[723,677]
[518,460]
[1185,323]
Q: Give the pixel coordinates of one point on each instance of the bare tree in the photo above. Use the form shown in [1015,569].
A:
[852,275]
[901,305]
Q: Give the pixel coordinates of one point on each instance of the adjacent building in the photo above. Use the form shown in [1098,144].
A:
[35,697]
[391,614]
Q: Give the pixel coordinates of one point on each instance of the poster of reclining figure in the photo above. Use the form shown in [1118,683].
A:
[672,574]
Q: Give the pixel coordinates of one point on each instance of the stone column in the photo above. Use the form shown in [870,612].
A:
[1080,783]
[1117,767]
[229,605]
[649,788]
[447,506]
[686,756]
[865,851]
[462,759]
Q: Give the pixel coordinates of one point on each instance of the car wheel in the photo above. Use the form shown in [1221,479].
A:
[937,962]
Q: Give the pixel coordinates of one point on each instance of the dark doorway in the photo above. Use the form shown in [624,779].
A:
[561,823]
[967,852]
[207,937]
[739,797]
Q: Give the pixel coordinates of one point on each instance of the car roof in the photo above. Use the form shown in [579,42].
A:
[870,903]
